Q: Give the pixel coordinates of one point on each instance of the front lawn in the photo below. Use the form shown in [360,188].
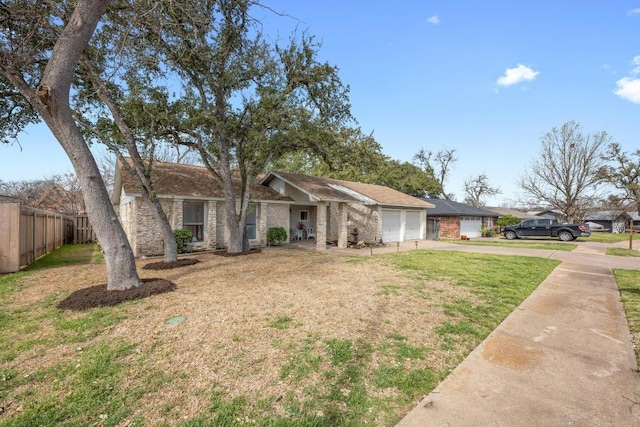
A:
[629,284]
[278,338]
[602,237]
[623,252]
[520,243]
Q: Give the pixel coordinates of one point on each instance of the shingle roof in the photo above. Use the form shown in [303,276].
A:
[450,208]
[512,212]
[315,186]
[610,215]
[338,190]
[176,179]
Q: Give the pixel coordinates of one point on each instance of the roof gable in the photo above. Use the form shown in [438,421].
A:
[328,189]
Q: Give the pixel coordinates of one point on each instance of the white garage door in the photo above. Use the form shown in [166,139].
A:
[470,226]
[412,229]
[391,226]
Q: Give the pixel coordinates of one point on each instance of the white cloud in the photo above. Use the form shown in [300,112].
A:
[435,20]
[636,62]
[628,89]
[635,11]
[517,75]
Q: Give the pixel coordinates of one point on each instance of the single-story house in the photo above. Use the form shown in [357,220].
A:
[521,215]
[613,221]
[458,219]
[550,214]
[327,210]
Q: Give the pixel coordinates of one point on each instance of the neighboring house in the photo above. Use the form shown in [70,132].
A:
[550,214]
[521,215]
[457,219]
[330,209]
[613,221]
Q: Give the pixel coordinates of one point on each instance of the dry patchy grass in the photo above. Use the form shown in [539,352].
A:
[268,328]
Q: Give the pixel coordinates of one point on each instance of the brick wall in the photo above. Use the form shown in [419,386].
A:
[450,227]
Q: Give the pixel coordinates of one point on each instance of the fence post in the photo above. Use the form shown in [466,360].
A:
[34,237]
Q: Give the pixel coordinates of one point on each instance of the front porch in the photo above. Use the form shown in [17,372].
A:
[321,221]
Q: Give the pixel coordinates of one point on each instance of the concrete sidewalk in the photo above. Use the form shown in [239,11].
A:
[563,357]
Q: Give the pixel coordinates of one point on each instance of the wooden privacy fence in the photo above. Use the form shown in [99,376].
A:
[26,234]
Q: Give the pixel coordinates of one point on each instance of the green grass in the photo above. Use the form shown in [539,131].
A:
[628,282]
[85,253]
[528,244]
[20,327]
[602,237]
[85,391]
[498,283]
[367,379]
[623,252]
[283,322]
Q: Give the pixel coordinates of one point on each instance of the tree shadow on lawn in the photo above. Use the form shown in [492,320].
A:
[98,296]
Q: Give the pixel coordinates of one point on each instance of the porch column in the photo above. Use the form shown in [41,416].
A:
[343,236]
[321,226]
[211,227]
[262,223]
[175,216]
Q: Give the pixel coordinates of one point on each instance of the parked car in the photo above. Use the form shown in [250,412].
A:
[544,227]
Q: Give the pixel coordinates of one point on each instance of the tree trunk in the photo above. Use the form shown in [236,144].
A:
[51,100]
[137,168]
[119,260]
[235,234]
[170,245]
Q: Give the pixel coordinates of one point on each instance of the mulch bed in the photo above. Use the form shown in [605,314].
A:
[225,253]
[170,265]
[98,296]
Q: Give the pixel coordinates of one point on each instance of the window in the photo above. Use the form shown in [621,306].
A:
[250,226]
[304,215]
[193,219]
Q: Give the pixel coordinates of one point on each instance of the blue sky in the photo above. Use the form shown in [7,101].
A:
[488,78]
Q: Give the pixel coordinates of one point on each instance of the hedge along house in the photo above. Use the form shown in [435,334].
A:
[194,201]
[343,211]
[461,219]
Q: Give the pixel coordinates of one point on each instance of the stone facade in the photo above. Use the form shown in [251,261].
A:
[145,237]
[141,227]
[367,219]
[277,215]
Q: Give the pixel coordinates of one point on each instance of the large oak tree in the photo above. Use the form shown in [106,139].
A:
[41,45]
[242,101]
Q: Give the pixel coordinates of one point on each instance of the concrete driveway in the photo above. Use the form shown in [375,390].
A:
[564,357]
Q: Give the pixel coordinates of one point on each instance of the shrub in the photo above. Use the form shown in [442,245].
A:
[487,232]
[276,235]
[183,238]
[506,220]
